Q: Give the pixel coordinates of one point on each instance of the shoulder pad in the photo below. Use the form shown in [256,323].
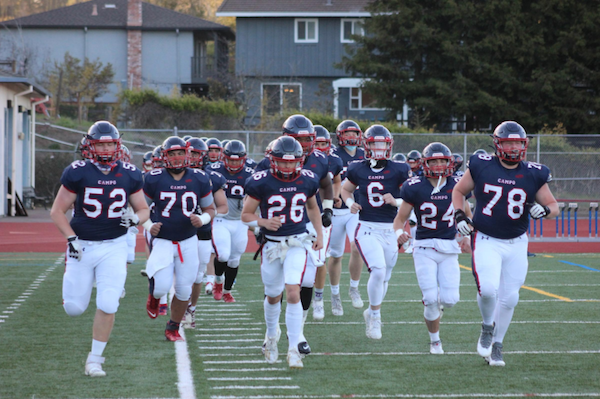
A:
[199,171]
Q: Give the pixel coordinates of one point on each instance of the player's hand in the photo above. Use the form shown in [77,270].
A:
[404,237]
[326,217]
[129,218]
[273,224]
[196,222]
[74,248]
[355,208]
[318,243]
[389,199]
[337,202]
[539,211]
[464,225]
[465,245]
[155,229]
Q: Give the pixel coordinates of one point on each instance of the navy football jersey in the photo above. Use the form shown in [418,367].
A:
[234,189]
[373,184]
[251,163]
[317,163]
[336,166]
[264,164]
[435,213]
[176,200]
[218,183]
[286,199]
[100,198]
[504,196]
[346,159]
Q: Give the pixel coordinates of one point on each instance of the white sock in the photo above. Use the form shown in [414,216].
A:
[375,286]
[272,313]
[375,313]
[293,322]
[503,318]
[98,347]
[192,308]
[318,294]
[487,307]
[335,289]
[354,283]
[163,300]
[219,279]
[434,337]
[210,278]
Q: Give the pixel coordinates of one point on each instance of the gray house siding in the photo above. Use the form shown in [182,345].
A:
[265,47]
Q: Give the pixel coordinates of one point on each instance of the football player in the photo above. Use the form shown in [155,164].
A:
[198,149]
[215,151]
[508,191]
[177,192]
[435,251]
[399,157]
[458,163]
[335,166]
[283,194]
[147,161]
[414,161]
[99,190]
[344,223]
[230,235]
[378,181]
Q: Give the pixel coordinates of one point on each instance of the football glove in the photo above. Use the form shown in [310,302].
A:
[326,217]
[462,222]
[539,211]
[74,248]
[129,218]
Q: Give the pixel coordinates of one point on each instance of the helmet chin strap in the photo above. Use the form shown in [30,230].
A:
[438,187]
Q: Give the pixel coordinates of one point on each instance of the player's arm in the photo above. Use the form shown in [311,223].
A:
[221,202]
[400,220]
[348,189]
[252,219]
[546,201]
[62,203]
[465,185]
[207,205]
[337,189]
[314,215]
[140,206]
[326,193]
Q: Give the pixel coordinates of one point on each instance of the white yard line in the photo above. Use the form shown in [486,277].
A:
[423,396]
[185,380]
[453,353]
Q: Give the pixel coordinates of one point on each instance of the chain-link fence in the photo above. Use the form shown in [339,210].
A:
[573,159]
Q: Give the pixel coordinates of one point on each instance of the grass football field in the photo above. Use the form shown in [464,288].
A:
[552,349]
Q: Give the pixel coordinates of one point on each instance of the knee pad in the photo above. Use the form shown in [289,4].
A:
[73,309]
[487,291]
[449,298]
[378,275]
[183,293]
[431,312]
[108,301]
[223,255]
[233,263]
[510,301]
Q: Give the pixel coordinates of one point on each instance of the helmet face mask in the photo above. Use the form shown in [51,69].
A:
[215,150]
[84,148]
[175,154]
[348,133]
[511,141]
[437,161]
[125,154]
[99,137]
[147,161]
[286,158]
[378,143]
[323,140]
[157,158]
[458,162]
[197,152]
[414,160]
[234,156]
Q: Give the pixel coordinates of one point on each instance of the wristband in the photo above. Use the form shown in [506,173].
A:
[253,224]
[147,225]
[205,218]
[349,201]
[399,232]
[328,204]
[399,202]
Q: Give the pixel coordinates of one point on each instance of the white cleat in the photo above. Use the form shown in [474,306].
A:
[373,325]
[336,305]
[93,366]
[277,336]
[294,359]
[271,350]
[484,344]
[357,301]
[435,348]
[318,310]
[496,358]
[208,288]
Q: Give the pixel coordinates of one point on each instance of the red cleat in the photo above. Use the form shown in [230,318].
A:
[152,306]
[163,309]
[173,335]
[228,298]
[218,291]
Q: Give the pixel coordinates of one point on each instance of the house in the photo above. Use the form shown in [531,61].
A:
[288,54]
[147,45]
[18,99]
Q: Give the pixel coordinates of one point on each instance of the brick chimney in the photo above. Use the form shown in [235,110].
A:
[134,43]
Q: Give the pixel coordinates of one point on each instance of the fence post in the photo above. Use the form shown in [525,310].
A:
[175,133]
[248,141]
[466,160]
[539,138]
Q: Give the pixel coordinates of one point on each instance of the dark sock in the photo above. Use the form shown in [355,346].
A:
[230,275]
[220,268]
[172,325]
[151,285]
[306,297]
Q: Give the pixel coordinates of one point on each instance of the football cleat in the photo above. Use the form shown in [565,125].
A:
[93,366]
[484,344]
[163,309]
[228,298]
[303,348]
[173,335]
[294,359]
[218,291]
[336,305]
[143,273]
[189,317]
[435,348]
[318,310]
[357,301]
[271,350]
[496,359]
[277,336]
[208,288]
[373,325]
[152,306]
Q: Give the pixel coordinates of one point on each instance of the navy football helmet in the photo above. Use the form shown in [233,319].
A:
[215,149]
[345,139]
[234,156]
[173,162]
[323,136]
[103,132]
[437,150]
[378,143]
[414,160]
[507,132]
[186,138]
[157,159]
[269,148]
[399,157]
[197,149]
[286,150]
[84,148]
[301,128]
[480,151]
[125,155]
[147,161]
[458,162]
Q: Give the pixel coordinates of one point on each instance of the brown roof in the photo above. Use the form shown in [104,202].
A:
[269,7]
[112,14]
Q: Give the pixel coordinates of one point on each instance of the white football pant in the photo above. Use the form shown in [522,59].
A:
[230,238]
[343,225]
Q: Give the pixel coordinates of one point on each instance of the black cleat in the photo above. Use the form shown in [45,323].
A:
[303,348]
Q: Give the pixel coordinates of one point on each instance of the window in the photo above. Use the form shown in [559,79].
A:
[351,27]
[278,97]
[306,31]
[361,100]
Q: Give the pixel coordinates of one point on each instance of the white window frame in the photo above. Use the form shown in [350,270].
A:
[306,20]
[281,84]
[360,105]
[354,21]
